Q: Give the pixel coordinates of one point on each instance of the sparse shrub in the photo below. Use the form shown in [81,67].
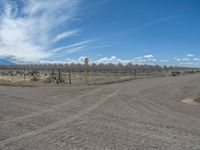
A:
[48,80]
[197,71]
[197,100]
[175,73]
[189,72]
[60,80]
[35,77]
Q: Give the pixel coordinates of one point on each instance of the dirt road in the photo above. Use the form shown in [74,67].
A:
[143,114]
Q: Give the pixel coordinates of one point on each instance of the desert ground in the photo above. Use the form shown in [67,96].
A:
[142,114]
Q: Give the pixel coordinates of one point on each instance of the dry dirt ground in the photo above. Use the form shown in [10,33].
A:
[143,114]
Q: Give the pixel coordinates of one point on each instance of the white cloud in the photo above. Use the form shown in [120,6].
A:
[148,56]
[185,59]
[116,60]
[190,55]
[145,58]
[153,60]
[26,33]
[177,59]
[196,59]
[64,35]
[112,59]
[164,60]
[104,60]
[187,63]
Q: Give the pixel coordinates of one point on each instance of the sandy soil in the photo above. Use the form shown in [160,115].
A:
[143,114]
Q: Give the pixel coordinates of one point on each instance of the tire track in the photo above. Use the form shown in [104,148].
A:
[24,102]
[60,123]
[53,108]
[164,110]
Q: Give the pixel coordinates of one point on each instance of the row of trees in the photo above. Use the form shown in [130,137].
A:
[112,68]
[56,72]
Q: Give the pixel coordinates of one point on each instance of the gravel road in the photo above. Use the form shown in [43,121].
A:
[142,114]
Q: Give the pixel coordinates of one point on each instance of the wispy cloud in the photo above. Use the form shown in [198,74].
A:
[76,49]
[26,31]
[80,46]
[72,48]
[99,46]
[155,22]
[64,35]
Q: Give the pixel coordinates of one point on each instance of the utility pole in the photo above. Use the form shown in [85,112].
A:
[53,75]
[24,73]
[59,76]
[86,62]
[70,77]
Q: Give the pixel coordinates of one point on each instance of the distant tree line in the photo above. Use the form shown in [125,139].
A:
[59,72]
[132,69]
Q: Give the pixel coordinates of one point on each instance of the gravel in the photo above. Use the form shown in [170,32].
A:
[143,114]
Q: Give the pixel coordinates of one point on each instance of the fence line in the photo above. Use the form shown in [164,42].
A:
[90,74]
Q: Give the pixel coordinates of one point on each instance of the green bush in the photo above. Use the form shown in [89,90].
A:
[175,73]
[35,77]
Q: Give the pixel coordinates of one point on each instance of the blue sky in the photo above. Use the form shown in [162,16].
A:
[137,31]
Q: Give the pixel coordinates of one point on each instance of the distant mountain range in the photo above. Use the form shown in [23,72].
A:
[4,61]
